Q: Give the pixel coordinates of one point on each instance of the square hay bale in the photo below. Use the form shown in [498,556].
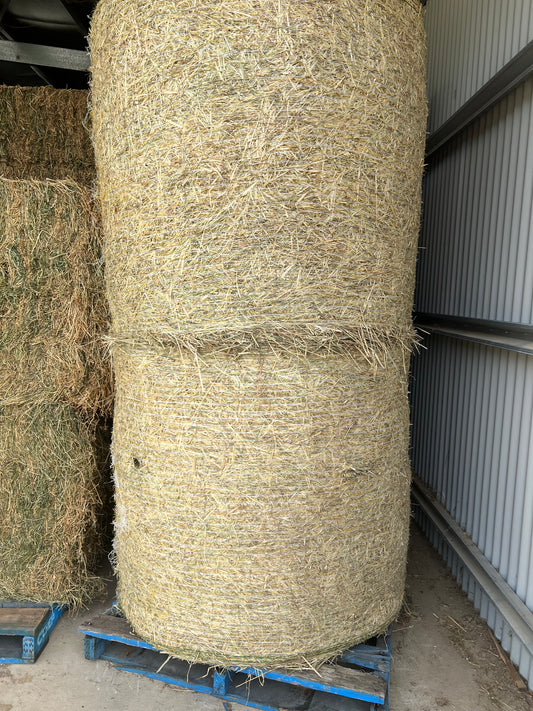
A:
[53,311]
[52,497]
[44,134]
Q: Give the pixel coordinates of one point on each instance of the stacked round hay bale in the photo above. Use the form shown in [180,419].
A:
[259,170]
[261,511]
[55,380]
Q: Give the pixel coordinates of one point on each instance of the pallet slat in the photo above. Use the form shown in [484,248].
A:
[22,621]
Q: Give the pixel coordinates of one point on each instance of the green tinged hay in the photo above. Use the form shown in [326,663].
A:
[259,165]
[52,495]
[44,134]
[53,312]
[262,501]
[55,380]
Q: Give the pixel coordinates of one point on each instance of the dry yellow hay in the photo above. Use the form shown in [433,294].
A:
[52,498]
[53,312]
[44,134]
[262,501]
[259,164]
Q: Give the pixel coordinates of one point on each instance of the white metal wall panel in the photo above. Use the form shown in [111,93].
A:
[472,441]
[476,252]
[472,405]
[468,42]
[473,446]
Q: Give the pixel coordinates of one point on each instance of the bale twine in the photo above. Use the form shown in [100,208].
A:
[53,311]
[261,511]
[259,164]
[44,134]
[52,492]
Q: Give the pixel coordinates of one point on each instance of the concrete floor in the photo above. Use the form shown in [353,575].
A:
[444,658]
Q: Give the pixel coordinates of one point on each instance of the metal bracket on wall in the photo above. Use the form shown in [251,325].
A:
[42,56]
[518,616]
[496,334]
[517,70]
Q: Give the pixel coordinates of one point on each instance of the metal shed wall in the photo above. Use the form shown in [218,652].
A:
[476,256]
[472,389]
[473,441]
[468,42]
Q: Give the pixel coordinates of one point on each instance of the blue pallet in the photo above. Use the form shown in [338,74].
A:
[357,681]
[25,629]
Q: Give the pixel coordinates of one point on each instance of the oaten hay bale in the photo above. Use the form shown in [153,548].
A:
[52,481]
[259,163]
[53,311]
[44,134]
[262,502]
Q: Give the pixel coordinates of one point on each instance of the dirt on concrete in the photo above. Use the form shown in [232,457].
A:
[445,656]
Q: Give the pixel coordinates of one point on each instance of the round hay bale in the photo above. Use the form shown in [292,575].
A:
[44,134]
[259,163]
[262,502]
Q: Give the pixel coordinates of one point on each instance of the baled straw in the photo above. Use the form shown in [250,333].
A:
[52,304]
[44,134]
[52,499]
[259,164]
[262,501]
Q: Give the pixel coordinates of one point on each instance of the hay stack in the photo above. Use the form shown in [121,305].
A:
[55,381]
[51,475]
[52,305]
[261,511]
[259,169]
[43,134]
[259,164]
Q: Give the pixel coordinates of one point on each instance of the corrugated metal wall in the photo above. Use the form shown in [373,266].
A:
[473,443]
[475,256]
[468,42]
[472,404]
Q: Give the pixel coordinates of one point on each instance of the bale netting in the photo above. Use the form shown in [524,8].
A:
[53,493]
[259,163]
[261,511]
[53,312]
[44,134]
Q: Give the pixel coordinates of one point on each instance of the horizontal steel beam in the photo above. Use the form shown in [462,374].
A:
[509,336]
[517,615]
[517,70]
[42,56]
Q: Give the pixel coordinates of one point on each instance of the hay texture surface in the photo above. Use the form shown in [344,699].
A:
[44,134]
[261,511]
[52,305]
[259,163]
[51,489]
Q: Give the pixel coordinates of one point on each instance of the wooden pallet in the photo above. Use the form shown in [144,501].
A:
[25,629]
[357,681]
